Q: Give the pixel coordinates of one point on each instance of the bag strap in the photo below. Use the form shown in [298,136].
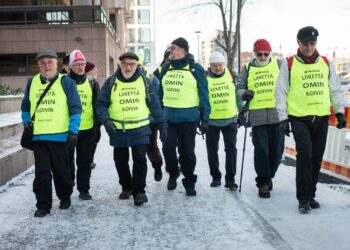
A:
[42,97]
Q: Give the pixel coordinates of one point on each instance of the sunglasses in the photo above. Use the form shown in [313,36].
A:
[260,54]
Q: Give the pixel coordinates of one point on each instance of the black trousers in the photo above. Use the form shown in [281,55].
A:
[310,141]
[84,158]
[183,135]
[268,141]
[136,181]
[212,140]
[51,160]
[153,152]
[96,141]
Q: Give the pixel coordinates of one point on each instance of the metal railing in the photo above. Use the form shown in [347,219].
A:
[56,15]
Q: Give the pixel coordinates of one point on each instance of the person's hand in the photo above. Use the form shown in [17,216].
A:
[243,119]
[285,128]
[110,127]
[163,134]
[203,127]
[72,140]
[29,127]
[247,95]
[341,120]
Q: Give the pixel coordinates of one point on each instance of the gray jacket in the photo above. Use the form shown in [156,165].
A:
[257,117]
[282,89]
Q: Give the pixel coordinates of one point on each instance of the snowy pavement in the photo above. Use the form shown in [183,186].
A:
[215,219]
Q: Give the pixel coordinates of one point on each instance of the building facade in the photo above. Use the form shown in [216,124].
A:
[96,27]
[141,30]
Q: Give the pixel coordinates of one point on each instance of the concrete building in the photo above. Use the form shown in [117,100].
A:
[96,27]
[141,30]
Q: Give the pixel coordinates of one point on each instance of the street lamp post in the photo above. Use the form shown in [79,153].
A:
[198,33]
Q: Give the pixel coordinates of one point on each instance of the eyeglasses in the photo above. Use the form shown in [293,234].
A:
[260,54]
[49,63]
[131,65]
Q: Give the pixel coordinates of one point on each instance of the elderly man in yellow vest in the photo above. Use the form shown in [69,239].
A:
[123,106]
[55,122]
[222,118]
[256,86]
[306,89]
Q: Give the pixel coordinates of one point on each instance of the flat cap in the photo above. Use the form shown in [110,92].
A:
[46,53]
[307,34]
[130,55]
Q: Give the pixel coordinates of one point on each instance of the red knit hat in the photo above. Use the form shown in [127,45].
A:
[89,66]
[262,45]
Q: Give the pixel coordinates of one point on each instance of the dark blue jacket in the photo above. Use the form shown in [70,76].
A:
[129,137]
[74,107]
[175,115]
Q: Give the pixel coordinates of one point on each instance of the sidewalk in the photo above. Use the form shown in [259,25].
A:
[215,219]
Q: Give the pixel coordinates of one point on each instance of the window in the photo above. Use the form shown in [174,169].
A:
[145,53]
[130,49]
[131,19]
[131,36]
[143,17]
[144,35]
[143,2]
[131,2]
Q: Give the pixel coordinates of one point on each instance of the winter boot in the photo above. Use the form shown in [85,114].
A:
[231,185]
[65,204]
[215,183]
[172,182]
[125,194]
[314,204]
[158,175]
[270,185]
[304,206]
[41,213]
[264,191]
[139,199]
[85,196]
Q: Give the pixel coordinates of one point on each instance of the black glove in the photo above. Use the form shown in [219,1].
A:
[203,127]
[110,127]
[247,95]
[285,128]
[163,134]
[243,119]
[341,120]
[72,140]
[29,127]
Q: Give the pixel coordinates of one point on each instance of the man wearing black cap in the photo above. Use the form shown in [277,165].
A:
[307,87]
[183,93]
[123,107]
[54,123]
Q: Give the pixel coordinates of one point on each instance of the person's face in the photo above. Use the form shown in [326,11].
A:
[217,68]
[262,57]
[79,68]
[307,48]
[92,73]
[128,67]
[48,67]
[176,52]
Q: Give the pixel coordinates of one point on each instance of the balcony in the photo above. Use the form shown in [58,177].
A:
[56,15]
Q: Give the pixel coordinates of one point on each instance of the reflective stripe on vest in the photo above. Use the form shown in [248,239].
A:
[87,115]
[128,108]
[262,80]
[309,89]
[222,96]
[52,116]
[180,88]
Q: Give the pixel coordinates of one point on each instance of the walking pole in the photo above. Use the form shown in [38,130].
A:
[244,142]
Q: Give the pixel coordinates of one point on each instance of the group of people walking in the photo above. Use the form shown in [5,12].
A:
[178,99]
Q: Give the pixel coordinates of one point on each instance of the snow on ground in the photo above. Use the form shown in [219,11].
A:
[215,219]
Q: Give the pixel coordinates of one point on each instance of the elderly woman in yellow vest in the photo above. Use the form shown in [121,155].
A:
[124,104]
[55,123]
[257,85]
[306,89]
[223,118]
[88,91]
